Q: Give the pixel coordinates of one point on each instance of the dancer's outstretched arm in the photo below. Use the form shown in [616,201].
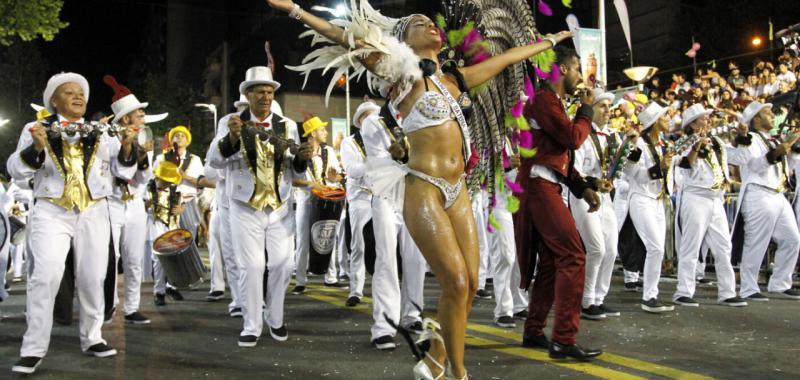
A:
[477,74]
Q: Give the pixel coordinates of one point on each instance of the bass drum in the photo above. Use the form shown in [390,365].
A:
[179,257]
[326,211]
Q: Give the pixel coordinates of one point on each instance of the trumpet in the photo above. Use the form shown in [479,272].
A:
[687,141]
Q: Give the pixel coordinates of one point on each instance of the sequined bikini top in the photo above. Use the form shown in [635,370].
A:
[432,109]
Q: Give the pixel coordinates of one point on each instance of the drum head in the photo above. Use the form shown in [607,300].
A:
[330,194]
[145,135]
[172,242]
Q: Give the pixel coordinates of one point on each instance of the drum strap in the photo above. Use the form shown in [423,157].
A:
[360,143]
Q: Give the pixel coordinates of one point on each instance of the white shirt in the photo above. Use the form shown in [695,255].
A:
[637,174]
[754,167]
[354,162]
[700,178]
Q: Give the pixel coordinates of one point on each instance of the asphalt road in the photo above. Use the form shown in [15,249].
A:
[196,339]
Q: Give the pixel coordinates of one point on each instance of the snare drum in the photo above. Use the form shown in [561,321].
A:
[326,211]
[179,257]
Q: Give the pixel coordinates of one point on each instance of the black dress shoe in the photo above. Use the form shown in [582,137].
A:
[159,300]
[538,341]
[562,351]
[352,301]
[175,294]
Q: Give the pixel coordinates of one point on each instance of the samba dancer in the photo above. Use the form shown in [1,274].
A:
[763,209]
[73,175]
[701,221]
[359,199]
[389,298]
[560,274]
[190,169]
[598,230]
[437,209]
[259,175]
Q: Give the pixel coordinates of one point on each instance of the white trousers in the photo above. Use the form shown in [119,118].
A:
[217,270]
[360,214]
[303,242]
[257,232]
[703,220]
[232,269]
[479,210]
[388,297]
[4,256]
[155,229]
[504,259]
[647,215]
[342,252]
[18,258]
[599,233]
[129,231]
[52,230]
[768,216]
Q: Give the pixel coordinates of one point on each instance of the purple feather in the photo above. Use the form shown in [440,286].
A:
[516,111]
[515,187]
[541,74]
[471,37]
[480,57]
[526,139]
[545,9]
[506,162]
[554,73]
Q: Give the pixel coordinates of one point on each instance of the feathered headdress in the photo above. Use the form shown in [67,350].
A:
[400,66]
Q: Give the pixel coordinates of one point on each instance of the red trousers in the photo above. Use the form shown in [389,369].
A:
[561,264]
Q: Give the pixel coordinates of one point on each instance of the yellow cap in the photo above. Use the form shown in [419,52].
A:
[313,124]
[180,129]
[168,172]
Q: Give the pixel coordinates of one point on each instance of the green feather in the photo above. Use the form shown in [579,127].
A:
[527,153]
[567,3]
[522,124]
[440,22]
[512,204]
[493,222]
[544,60]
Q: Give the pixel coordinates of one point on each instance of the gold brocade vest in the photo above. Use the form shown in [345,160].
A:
[76,194]
[265,193]
[162,210]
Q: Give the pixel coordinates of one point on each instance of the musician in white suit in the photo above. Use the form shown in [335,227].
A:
[763,208]
[359,199]
[700,214]
[259,166]
[73,175]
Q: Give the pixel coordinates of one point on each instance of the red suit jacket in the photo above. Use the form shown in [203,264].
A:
[555,136]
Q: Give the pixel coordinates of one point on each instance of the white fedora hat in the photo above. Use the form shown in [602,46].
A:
[241,102]
[258,75]
[600,95]
[58,80]
[122,102]
[752,110]
[651,114]
[362,109]
[693,113]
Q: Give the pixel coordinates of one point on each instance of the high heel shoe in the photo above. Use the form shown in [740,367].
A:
[423,372]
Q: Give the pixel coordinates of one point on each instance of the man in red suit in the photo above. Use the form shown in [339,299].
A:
[544,225]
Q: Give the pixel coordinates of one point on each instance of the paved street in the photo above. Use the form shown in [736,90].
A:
[196,339]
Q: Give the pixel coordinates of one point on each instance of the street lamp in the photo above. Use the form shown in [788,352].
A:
[3,122]
[756,41]
[213,110]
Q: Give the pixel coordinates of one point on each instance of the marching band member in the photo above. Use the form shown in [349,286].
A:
[510,300]
[359,199]
[765,213]
[598,229]
[126,206]
[323,173]
[73,175]
[647,173]
[388,296]
[190,169]
[259,178]
[700,218]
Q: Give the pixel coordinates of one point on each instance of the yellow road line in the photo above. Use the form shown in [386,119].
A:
[608,357]
[588,368]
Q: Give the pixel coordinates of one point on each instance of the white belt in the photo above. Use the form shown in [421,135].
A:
[543,172]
